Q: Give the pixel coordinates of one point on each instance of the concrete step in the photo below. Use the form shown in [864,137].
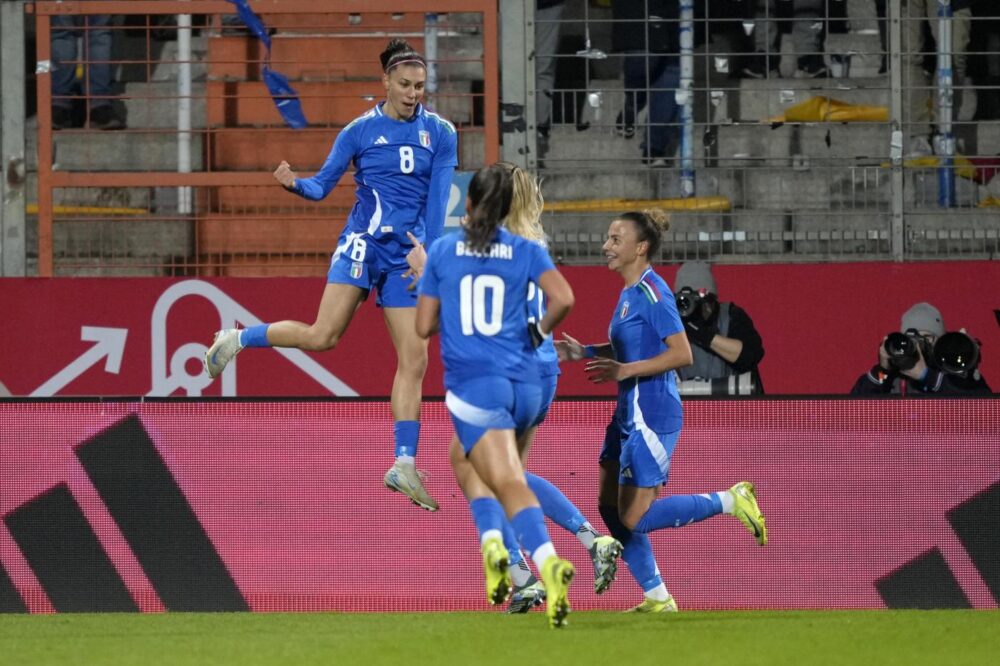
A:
[154,104]
[124,150]
[127,239]
[808,143]
[164,64]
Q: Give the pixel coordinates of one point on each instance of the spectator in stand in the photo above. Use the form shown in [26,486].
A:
[913,361]
[808,37]
[548,13]
[916,81]
[724,342]
[66,28]
[647,33]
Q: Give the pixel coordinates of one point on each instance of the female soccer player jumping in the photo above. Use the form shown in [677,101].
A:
[404,157]
[474,287]
[647,344]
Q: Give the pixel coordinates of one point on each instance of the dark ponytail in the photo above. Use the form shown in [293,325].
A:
[398,52]
[649,224]
[490,193]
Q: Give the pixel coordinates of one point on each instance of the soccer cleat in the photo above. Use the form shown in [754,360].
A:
[557,575]
[650,605]
[225,347]
[604,554]
[746,509]
[495,561]
[404,478]
[526,597]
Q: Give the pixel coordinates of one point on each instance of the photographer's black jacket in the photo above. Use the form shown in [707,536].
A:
[879,382]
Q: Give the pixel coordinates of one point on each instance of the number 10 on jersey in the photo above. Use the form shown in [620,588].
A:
[476,293]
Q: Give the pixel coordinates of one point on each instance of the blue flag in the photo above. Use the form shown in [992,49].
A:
[285,98]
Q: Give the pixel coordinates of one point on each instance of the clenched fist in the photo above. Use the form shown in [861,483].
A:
[284,175]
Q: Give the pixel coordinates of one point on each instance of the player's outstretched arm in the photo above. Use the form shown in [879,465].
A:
[571,349]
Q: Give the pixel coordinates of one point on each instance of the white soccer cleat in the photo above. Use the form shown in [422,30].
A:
[405,478]
[224,349]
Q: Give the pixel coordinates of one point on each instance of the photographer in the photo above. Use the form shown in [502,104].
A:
[923,359]
[727,348]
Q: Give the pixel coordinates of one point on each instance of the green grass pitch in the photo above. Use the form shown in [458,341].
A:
[739,638]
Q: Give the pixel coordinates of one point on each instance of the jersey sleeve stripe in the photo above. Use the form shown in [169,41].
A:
[447,124]
[650,291]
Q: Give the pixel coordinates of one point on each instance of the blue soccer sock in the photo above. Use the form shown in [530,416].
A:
[555,504]
[254,336]
[637,552]
[678,511]
[510,542]
[529,525]
[487,514]
[406,434]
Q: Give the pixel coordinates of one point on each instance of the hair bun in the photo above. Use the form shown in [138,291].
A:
[659,217]
[397,45]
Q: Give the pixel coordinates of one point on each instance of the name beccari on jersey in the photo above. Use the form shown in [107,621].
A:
[497,251]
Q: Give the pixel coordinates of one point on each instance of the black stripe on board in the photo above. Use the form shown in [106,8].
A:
[157,521]
[68,560]
[10,599]
[924,582]
[977,524]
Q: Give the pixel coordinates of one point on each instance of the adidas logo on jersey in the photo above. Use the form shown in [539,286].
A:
[381,141]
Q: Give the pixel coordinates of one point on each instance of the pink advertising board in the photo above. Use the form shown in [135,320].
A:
[821,325]
[279,506]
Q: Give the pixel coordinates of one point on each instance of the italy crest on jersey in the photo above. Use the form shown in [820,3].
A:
[624,310]
[425,138]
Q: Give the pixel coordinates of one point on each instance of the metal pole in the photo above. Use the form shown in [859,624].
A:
[43,76]
[898,228]
[945,140]
[517,80]
[184,203]
[12,167]
[685,97]
[431,51]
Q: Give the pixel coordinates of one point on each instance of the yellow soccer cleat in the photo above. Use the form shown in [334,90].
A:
[557,575]
[746,509]
[495,562]
[650,605]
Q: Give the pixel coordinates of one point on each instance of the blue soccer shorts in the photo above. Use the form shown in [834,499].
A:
[491,403]
[548,385]
[643,456]
[362,261]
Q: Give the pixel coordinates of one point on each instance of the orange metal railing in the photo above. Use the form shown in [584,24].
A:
[242,223]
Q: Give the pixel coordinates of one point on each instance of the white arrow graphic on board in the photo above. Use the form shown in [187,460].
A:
[172,374]
[110,344]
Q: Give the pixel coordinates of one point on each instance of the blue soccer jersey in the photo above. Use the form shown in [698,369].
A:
[646,314]
[545,355]
[484,321]
[403,172]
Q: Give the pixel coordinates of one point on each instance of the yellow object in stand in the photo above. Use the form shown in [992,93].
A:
[32,209]
[715,204]
[826,110]
[990,202]
[961,164]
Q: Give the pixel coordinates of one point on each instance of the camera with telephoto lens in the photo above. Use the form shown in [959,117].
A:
[956,354]
[688,302]
[905,349]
